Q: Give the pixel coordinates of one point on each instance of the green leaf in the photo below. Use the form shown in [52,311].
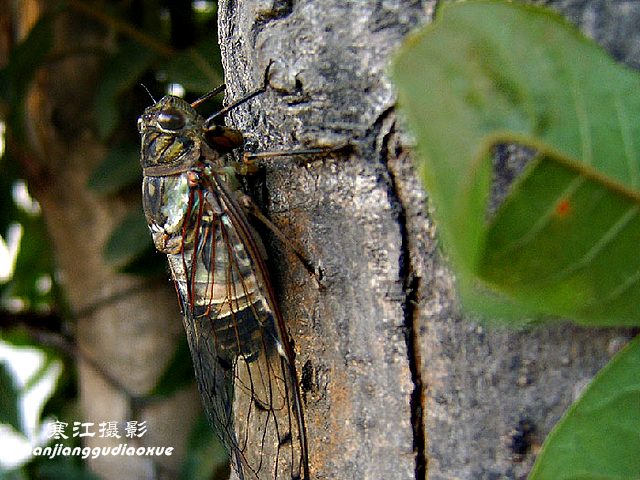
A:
[599,436]
[128,240]
[206,457]
[119,169]
[9,399]
[64,468]
[43,372]
[122,72]
[14,474]
[564,243]
[31,280]
[24,60]
[27,56]
[179,373]
[197,69]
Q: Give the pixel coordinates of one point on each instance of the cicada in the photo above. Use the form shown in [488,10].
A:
[242,355]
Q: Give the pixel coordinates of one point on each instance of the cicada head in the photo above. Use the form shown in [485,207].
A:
[172,140]
[172,133]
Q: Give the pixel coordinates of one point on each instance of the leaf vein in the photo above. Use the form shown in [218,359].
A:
[584,125]
[543,219]
[616,293]
[629,150]
[598,246]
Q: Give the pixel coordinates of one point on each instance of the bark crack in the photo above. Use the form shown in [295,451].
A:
[278,10]
[389,150]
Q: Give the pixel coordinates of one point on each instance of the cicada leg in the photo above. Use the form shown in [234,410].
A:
[252,209]
[249,166]
[314,151]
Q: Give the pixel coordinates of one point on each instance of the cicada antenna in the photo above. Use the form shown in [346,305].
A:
[148,92]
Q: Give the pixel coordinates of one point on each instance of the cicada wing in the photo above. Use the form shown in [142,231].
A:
[266,427]
[243,364]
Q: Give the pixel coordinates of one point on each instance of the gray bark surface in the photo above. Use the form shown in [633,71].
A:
[393,376]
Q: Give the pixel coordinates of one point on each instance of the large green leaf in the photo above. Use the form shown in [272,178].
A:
[565,240]
[9,399]
[599,436]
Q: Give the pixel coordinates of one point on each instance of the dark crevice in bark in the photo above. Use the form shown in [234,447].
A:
[279,9]
[410,288]
[417,395]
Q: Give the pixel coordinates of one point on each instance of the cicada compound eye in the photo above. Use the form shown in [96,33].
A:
[171,119]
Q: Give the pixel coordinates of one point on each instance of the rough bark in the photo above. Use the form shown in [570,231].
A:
[396,383]
[128,328]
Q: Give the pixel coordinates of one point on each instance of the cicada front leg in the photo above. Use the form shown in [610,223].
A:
[254,211]
[314,153]
[249,167]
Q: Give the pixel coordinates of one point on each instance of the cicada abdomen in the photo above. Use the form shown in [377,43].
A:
[243,360]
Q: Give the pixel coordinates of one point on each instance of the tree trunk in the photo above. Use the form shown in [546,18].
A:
[129,329]
[396,382]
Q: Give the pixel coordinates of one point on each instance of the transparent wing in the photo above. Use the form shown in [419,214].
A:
[242,358]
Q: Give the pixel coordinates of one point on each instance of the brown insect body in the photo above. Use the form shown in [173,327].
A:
[243,360]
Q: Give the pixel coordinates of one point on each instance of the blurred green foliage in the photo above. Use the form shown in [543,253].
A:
[564,241]
[157,44]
